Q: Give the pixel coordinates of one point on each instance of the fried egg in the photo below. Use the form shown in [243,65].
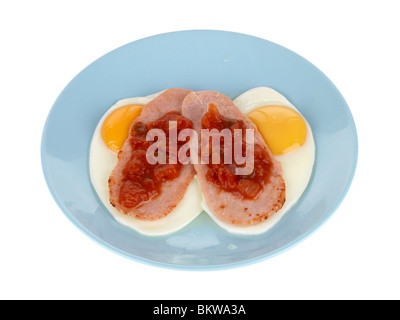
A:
[285,130]
[290,139]
[108,138]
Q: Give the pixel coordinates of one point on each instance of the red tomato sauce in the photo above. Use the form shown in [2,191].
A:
[142,181]
[223,175]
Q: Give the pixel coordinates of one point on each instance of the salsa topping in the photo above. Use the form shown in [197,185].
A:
[142,181]
[224,175]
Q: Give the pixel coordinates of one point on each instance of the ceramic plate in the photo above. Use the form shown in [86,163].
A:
[199,60]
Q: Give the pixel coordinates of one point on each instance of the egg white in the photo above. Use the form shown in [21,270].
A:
[297,169]
[101,163]
[297,166]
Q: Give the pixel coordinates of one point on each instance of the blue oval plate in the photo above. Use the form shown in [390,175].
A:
[199,60]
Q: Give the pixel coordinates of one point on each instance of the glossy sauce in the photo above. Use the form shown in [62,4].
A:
[142,181]
[223,175]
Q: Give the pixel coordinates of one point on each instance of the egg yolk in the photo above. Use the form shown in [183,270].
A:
[115,128]
[282,128]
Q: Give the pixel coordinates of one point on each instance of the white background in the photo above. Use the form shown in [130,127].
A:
[44,44]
